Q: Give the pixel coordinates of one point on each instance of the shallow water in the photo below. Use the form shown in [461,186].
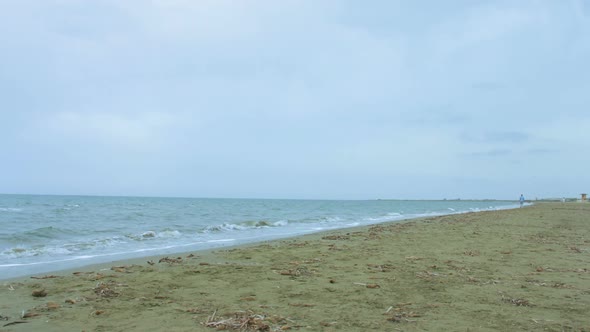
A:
[45,233]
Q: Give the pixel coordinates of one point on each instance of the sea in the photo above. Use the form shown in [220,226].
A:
[42,233]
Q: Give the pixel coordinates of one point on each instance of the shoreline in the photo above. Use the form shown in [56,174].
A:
[86,262]
[205,252]
[517,269]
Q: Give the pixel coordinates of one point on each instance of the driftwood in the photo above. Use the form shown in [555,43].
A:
[46,277]
[15,322]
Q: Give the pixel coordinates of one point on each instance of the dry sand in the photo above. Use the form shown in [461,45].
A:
[517,270]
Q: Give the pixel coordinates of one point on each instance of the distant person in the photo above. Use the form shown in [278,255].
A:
[563,199]
[521,200]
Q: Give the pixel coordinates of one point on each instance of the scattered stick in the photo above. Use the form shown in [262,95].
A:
[210,319]
[170,260]
[307,305]
[29,314]
[14,323]
[46,277]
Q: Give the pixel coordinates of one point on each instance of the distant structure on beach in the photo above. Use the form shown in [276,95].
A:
[583,197]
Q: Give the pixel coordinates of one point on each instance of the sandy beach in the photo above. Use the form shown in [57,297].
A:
[525,269]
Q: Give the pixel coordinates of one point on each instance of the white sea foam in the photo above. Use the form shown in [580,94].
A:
[281,223]
[3,209]
[169,234]
[223,227]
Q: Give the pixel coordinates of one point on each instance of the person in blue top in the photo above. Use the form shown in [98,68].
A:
[521,200]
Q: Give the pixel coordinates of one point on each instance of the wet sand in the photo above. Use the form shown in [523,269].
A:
[526,269]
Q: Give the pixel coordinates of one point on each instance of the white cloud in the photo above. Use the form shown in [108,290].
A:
[137,131]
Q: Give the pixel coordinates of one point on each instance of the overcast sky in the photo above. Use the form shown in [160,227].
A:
[295,99]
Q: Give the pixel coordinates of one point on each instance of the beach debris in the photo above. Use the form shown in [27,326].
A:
[29,314]
[305,305]
[46,277]
[195,310]
[15,322]
[427,275]
[2,317]
[414,258]
[298,271]
[366,285]
[106,289]
[471,253]
[170,260]
[190,256]
[335,237]
[244,321]
[120,269]
[575,249]
[39,293]
[93,276]
[402,314]
[562,285]
[381,267]
[70,301]
[517,302]
[334,247]
[150,262]
[541,321]
[126,268]
[52,306]
[97,312]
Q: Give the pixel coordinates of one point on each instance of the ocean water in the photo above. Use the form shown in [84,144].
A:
[40,234]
